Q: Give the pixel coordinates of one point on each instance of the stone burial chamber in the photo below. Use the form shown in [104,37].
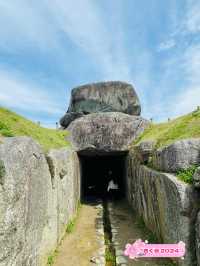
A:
[109,122]
[103,120]
[40,192]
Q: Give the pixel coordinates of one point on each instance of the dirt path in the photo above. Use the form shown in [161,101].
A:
[87,239]
[83,243]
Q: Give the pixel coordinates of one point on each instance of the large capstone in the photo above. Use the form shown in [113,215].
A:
[113,96]
[105,132]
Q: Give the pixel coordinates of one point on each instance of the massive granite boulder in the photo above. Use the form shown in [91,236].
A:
[105,132]
[113,96]
[177,156]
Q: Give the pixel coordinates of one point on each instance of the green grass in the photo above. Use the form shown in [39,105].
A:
[72,223]
[70,226]
[110,257]
[51,258]
[150,236]
[109,251]
[187,174]
[12,125]
[187,126]
[69,229]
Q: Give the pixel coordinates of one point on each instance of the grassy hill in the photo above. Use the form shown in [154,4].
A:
[187,126]
[12,124]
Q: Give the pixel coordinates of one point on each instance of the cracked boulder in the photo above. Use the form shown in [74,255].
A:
[113,96]
[105,131]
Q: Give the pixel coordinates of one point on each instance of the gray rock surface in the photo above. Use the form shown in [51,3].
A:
[32,213]
[65,178]
[144,150]
[179,155]
[69,117]
[105,131]
[196,178]
[23,203]
[164,203]
[197,227]
[114,96]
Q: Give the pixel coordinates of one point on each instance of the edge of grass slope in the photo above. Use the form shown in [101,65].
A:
[184,127]
[12,124]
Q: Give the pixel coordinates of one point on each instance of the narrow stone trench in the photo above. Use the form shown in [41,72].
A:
[102,230]
[127,228]
[110,256]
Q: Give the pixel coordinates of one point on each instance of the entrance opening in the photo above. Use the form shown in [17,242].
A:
[96,173]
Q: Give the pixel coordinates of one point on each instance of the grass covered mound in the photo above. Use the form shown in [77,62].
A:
[184,127]
[12,125]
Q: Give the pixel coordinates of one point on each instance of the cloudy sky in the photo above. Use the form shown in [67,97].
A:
[48,47]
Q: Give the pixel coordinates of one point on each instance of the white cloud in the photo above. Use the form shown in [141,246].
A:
[16,92]
[166,45]
[192,20]
[187,101]
[43,25]
[85,25]
[39,25]
[191,64]
[25,26]
[187,97]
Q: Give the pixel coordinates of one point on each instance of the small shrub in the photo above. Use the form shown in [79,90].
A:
[6,133]
[187,174]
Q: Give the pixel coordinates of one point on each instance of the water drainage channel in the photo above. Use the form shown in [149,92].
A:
[110,256]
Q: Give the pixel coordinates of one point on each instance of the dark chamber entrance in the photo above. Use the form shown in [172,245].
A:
[97,171]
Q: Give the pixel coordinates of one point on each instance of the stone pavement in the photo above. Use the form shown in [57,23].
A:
[125,230]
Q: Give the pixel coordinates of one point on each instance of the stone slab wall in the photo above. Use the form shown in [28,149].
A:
[108,132]
[177,156]
[38,196]
[165,203]
[198,238]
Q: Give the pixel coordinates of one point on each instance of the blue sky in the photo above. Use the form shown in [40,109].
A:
[48,47]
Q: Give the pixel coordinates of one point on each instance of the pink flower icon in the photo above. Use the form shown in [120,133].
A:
[134,250]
